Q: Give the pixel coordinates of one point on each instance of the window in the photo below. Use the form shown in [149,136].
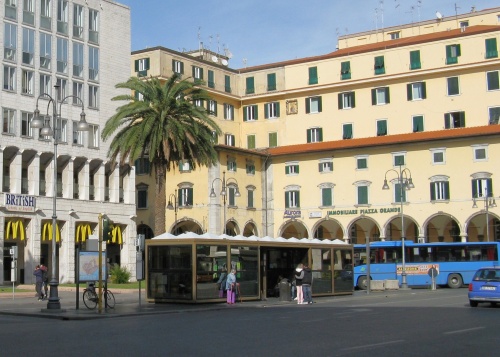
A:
[398,159]
[440,188]
[418,123]
[361,162]
[212,107]
[380,96]
[93,96]
[62,55]
[142,196]
[452,54]
[62,132]
[273,140]
[78,21]
[416,91]
[251,141]
[346,100]
[9,78]
[10,42]
[452,85]
[492,80]
[45,50]
[345,70]
[142,166]
[454,120]
[292,199]
[28,46]
[197,74]
[250,168]
[227,84]
[28,82]
[438,156]
[326,195]
[93,63]
[292,168]
[231,202]
[313,75]
[185,197]
[11,9]
[494,114]
[93,26]
[379,65]
[480,152]
[272,110]
[26,129]
[77,92]
[228,112]
[250,113]
[93,136]
[45,84]
[394,35]
[231,165]
[229,140]
[362,193]
[211,81]
[482,187]
[464,24]
[250,85]
[271,81]
[347,131]
[141,67]
[325,165]
[399,192]
[46,14]
[314,135]
[313,105]
[63,89]
[8,121]
[177,67]
[491,48]
[198,103]
[77,134]
[250,192]
[77,59]
[415,60]
[381,127]
[62,16]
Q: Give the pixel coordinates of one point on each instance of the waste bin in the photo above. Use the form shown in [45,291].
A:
[285,290]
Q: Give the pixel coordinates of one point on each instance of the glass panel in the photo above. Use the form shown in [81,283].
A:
[211,271]
[321,271]
[245,261]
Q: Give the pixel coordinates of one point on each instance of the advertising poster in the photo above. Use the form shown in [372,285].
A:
[89,266]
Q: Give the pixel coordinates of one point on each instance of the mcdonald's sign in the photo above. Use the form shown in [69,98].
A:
[116,235]
[15,228]
[82,232]
[47,232]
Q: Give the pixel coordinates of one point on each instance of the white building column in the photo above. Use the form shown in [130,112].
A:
[67,179]
[114,185]
[100,183]
[16,172]
[84,182]
[34,175]
[129,186]
[1,173]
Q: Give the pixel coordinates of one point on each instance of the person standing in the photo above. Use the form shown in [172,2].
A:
[231,287]
[222,281]
[306,285]
[45,280]
[38,282]
[299,275]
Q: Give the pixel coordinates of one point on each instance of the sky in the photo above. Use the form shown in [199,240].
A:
[266,31]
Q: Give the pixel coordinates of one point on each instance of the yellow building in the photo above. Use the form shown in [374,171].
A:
[310,143]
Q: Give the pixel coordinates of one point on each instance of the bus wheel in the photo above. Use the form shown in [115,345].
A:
[362,284]
[454,281]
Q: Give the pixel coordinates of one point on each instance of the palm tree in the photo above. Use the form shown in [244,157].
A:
[161,122]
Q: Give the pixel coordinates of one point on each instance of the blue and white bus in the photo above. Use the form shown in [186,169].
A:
[456,263]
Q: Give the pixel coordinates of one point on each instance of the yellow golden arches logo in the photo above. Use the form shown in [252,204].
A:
[15,227]
[47,232]
[116,235]
[82,232]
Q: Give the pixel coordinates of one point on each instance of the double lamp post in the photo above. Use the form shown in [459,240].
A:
[224,192]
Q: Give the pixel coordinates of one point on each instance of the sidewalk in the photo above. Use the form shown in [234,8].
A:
[127,304]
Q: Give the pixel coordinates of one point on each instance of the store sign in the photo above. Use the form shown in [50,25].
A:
[292,214]
[366,211]
[19,203]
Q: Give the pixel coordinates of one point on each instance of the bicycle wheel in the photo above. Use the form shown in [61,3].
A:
[90,299]
[110,299]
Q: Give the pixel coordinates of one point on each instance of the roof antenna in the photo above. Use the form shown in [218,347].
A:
[456,13]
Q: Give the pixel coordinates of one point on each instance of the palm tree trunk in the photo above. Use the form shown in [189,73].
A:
[160,200]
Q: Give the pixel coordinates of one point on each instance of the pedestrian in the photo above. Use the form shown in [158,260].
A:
[45,280]
[231,287]
[222,281]
[299,275]
[306,285]
[38,282]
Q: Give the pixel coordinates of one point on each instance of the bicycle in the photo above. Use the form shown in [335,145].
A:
[91,299]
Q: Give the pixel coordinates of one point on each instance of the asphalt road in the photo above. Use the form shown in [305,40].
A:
[419,323]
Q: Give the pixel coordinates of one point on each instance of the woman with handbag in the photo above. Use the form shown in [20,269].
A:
[231,287]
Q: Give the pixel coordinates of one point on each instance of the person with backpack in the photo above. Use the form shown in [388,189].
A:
[45,280]
[306,285]
[38,282]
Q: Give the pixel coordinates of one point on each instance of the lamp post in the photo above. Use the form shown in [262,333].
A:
[37,123]
[405,183]
[171,206]
[224,191]
[489,201]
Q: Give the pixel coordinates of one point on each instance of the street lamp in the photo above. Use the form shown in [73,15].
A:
[171,206]
[489,201]
[405,183]
[37,123]
[224,190]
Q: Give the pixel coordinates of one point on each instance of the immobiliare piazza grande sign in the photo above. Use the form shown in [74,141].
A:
[344,212]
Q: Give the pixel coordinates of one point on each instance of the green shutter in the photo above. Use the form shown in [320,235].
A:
[409,92]
[273,140]
[381,128]
[245,115]
[250,89]
[347,131]
[136,65]
[256,111]
[308,105]
[320,134]
[297,195]
[379,65]
[251,141]
[461,117]
[493,80]
[415,60]
[271,81]
[320,167]
[313,75]
[447,121]
[353,99]
[296,169]
[146,64]
[250,198]
[193,70]
[227,84]
[287,199]
[489,187]
[424,90]
[387,95]
[211,83]
[453,88]
[433,191]
[201,73]
[190,196]
[287,170]
[326,194]
[345,70]
[447,190]
[266,110]
[362,195]
[309,135]
[491,48]
[320,105]
[341,102]
[474,189]
[374,96]
[278,109]
[418,123]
